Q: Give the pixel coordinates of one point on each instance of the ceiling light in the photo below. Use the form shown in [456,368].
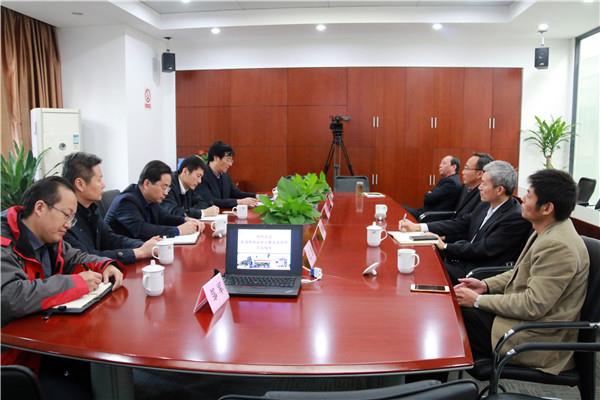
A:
[437,27]
[320,27]
[588,1]
[215,30]
[542,28]
[185,1]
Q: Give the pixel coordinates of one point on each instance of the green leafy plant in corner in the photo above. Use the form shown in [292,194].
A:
[296,200]
[18,173]
[548,137]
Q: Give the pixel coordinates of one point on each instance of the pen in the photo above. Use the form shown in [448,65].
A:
[403,219]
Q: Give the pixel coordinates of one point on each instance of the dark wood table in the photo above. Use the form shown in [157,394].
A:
[344,324]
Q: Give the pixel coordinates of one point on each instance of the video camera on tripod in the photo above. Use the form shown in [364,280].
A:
[336,125]
[337,148]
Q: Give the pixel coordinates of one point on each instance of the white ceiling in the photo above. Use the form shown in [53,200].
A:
[567,19]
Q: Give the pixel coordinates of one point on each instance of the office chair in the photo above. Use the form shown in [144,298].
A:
[584,374]
[348,183]
[19,383]
[585,188]
[597,205]
[107,198]
[423,390]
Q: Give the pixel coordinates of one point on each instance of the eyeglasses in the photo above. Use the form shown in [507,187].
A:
[228,159]
[165,188]
[70,219]
[471,169]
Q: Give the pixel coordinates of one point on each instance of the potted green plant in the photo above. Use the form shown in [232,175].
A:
[548,137]
[18,173]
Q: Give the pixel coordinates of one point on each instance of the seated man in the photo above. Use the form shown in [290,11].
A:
[493,234]
[445,194]
[217,187]
[39,270]
[92,234]
[136,211]
[181,200]
[548,282]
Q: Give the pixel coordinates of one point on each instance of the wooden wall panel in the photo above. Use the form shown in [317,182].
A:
[449,105]
[203,88]
[257,168]
[252,125]
[317,86]
[201,126]
[507,106]
[304,159]
[477,108]
[309,125]
[251,87]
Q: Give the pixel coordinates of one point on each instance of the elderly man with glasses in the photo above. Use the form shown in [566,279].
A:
[136,212]
[39,270]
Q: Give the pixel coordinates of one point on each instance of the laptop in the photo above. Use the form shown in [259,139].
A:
[263,260]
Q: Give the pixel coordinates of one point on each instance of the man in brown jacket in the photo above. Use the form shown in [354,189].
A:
[548,282]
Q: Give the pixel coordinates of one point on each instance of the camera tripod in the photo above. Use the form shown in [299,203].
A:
[337,149]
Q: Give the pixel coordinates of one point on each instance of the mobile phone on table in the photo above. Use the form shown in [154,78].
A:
[422,237]
[429,288]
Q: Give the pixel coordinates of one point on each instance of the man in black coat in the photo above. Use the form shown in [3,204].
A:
[217,186]
[445,194]
[136,211]
[493,234]
[92,234]
[181,200]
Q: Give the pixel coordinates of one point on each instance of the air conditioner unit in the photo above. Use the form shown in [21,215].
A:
[57,130]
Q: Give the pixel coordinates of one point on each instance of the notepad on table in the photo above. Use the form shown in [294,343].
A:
[192,238]
[413,239]
[85,302]
[373,195]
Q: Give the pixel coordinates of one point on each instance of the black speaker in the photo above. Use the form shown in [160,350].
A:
[168,62]
[542,55]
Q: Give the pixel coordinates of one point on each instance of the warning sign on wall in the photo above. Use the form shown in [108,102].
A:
[147,99]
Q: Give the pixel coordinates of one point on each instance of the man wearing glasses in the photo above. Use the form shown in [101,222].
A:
[136,212]
[39,270]
[217,187]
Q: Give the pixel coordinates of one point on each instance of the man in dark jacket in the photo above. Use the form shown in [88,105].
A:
[92,234]
[445,194]
[181,200]
[39,270]
[217,187]
[136,211]
[493,234]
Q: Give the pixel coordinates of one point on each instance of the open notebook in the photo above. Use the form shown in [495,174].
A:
[192,238]
[85,302]
[408,238]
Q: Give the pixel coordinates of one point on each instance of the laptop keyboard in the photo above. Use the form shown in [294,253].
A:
[269,281]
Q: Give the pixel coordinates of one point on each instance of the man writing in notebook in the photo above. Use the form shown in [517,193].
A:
[39,270]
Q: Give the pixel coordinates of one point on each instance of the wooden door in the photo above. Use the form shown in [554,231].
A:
[449,106]
[506,122]
[477,116]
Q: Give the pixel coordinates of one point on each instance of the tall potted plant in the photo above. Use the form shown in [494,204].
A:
[548,136]
[18,173]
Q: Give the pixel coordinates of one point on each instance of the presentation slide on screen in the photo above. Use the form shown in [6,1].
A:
[264,249]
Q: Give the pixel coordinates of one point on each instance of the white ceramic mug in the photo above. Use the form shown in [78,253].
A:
[408,259]
[374,235]
[240,211]
[219,225]
[380,211]
[153,279]
[164,251]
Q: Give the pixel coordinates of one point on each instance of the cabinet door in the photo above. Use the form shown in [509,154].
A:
[317,86]
[449,106]
[199,127]
[203,88]
[253,87]
[477,109]
[507,114]
[364,104]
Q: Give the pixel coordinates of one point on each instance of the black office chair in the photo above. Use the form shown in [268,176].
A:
[597,205]
[107,198]
[348,183]
[19,383]
[584,374]
[423,390]
[585,189]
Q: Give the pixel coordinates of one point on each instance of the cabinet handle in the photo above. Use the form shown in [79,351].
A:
[493,122]
[433,176]
[429,182]
[435,122]
[431,122]
[490,123]
[377,119]
[373,122]
[372,179]
[376,179]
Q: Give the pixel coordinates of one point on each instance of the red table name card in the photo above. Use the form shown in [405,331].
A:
[214,293]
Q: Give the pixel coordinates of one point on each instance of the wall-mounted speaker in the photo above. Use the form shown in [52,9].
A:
[542,55]
[168,62]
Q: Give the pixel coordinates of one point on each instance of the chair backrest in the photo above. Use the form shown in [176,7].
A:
[585,363]
[423,390]
[585,188]
[19,383]
[344,183]
[597,205]
[107,198]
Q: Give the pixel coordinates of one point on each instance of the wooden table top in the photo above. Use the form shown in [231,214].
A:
[344,324]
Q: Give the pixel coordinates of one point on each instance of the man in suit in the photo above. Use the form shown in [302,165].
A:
[217,186]
[181,200]
[472,173]
[92,234]
[548,282]
[493,234]
[136,211]
[444,195]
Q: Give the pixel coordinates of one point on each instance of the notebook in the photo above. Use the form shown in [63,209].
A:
[83,303]
[263,260]
[192,238]
[408,238]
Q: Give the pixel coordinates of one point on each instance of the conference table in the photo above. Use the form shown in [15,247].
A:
[346,324]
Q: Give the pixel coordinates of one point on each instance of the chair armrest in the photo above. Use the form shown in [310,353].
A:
[487,272]
[430,216]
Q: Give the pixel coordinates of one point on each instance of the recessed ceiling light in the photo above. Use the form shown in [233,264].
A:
[320,27]
[437,27]
[185,1]
[542,27]
[77,13]
[588,1]
[215,30]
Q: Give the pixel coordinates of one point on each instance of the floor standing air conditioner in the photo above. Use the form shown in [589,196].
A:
[59,131]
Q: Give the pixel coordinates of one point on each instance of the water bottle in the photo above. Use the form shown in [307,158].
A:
[360,188]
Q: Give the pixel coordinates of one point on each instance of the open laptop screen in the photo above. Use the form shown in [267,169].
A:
[264,249]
